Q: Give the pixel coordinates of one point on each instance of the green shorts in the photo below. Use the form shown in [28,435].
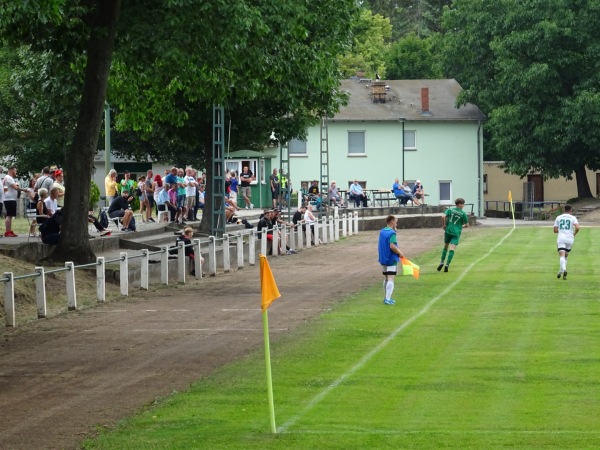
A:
[451,239]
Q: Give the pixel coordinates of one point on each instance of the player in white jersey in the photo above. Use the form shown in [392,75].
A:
[567,227]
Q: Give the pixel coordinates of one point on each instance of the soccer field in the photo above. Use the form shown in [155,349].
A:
[496,353]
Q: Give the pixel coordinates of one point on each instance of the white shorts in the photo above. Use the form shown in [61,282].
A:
[565,244]
[389,270]
[233,195]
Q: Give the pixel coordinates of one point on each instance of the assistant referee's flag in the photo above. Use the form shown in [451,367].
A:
[410,268]
[269,291]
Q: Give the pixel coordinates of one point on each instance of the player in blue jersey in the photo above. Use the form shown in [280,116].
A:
[389,255]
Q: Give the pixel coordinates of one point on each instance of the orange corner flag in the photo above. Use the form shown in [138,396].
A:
[269,291]
[410,268]
[510,196]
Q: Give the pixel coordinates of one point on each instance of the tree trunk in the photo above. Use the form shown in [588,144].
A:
[74,242]
[583,185]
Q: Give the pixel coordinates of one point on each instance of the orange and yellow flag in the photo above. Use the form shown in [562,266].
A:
[269,291]
[510,196]
[410,268]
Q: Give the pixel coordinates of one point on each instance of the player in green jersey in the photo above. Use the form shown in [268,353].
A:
[453,221]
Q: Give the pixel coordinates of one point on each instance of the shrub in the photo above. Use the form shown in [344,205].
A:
[94,195]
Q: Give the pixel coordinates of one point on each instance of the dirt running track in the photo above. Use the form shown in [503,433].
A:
[61,378]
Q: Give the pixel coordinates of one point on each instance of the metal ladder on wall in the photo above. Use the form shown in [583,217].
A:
[324,172]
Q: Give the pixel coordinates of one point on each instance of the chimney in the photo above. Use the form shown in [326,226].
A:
[424,100]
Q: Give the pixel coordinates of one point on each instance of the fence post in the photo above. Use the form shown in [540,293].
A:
[263,242]
[40,293]
[181,261]
[292,237]
[252,248]
[308,235]
[9,300]
[283,239]
[212,256]
[324,228]
[197,258]
[144,270]
[344,226]
[350,223]
[336,227]
[300,235]
[331,234]
[275,241]
[355,223]
[240,250]
[164,265]
[71,292]
[101,279]
[124,274]
[226,253]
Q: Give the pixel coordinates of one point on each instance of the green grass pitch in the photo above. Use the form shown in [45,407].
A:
[497,353]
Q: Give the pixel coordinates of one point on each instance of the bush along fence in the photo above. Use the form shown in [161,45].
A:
[325,230]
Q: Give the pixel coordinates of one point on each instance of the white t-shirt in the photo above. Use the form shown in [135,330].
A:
[566,227]
[11,194]
[190,188]
[51,204]
[309,217]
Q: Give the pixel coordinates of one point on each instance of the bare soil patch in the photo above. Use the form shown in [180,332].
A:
[63,377]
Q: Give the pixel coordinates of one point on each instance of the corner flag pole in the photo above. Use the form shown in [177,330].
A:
[512,208]
[269,377]
[269,293]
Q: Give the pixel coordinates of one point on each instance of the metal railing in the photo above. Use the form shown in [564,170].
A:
[295,237]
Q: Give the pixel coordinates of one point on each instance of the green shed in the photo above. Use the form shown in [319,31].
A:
[259,163]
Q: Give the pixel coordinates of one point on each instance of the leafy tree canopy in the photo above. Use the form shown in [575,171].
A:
[532,66]
[413,58]
[272,64]
[419,17]
[371,34]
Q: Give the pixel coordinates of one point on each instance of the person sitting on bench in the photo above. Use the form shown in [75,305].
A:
[119,209]
[357,194]
[334,196]
[398,190]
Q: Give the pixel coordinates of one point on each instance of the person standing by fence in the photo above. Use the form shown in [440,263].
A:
[246,177]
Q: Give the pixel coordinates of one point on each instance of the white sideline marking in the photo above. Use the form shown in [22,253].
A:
[386,341]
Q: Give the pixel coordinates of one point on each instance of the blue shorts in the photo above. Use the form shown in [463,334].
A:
[180,201]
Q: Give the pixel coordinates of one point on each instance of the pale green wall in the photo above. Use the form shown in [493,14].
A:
[445,151]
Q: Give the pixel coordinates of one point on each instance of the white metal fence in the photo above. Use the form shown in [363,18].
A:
[326,230]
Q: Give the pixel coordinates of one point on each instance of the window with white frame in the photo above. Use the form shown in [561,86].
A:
[296,147]
[445,192]
[236,165]
[263,169]
[410,140]
[356,143]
